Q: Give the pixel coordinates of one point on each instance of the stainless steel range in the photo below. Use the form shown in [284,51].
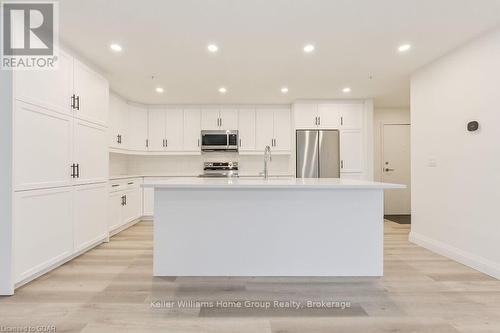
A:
[220,169]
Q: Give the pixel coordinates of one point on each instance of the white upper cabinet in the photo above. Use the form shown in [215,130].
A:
[118,122]
[51,89]
[156,130]
[228,119]
[273,129]
[264,128]
[138,125]
[351,151]
[210,119]
[192,128]
[246,127]
[39,131]
[219,119]
[329,116]
[92,94]
[351,116]
[174,130]
[282,130]
[306,115]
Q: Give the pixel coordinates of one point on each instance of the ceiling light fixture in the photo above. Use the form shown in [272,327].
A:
[159,90]
[308,48]
[212,48]
[346,90]
[284,90]
[115,47]
[222,90]
[404,48]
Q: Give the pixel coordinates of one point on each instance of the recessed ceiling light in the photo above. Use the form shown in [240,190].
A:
[284,90]
[404,48]
[159,90]
[115,47]
[308,48]
[222,90]
[212,48]
[346,90]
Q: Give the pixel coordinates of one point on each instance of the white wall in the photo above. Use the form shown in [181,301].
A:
[456,174]
[381,117]
[6,283]
[281,165]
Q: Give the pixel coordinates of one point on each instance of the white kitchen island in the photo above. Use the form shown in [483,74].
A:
[274,227]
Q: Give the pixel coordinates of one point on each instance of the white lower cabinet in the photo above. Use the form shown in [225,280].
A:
[43,230]
[90,215]
[148,201]
[51,225]
[124,203]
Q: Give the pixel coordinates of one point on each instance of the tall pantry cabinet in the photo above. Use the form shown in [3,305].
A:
[60,165]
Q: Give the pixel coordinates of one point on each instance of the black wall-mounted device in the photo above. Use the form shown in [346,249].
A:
[472,126]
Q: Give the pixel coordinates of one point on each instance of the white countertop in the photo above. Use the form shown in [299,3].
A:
[272,182]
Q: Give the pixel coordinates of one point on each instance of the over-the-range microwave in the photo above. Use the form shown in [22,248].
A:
[219,140]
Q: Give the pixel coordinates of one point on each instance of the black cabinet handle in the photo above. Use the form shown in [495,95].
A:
[125,200]
[78,170]
[147,143]
[77,103]
[73,170]
[73,101]
[115,185]
[166,142]
[131,183]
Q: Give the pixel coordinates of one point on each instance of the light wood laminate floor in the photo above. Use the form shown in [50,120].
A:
[111,289]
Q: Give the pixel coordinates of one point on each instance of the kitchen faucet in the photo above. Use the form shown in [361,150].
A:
[267,159]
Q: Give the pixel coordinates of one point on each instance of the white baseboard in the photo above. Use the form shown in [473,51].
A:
[123,227]
[478,263]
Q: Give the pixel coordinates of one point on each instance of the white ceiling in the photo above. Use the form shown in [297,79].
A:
[261,45]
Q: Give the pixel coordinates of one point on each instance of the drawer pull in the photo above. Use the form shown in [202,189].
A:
[115,185]
[131,183]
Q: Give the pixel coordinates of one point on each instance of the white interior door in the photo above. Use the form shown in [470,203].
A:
[396,168]
[156,129]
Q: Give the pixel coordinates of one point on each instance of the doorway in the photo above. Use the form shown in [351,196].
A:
[396,169]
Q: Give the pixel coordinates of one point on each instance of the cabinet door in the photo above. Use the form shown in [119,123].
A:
[43,230]
[210,119]
[192,123]
[117,122]
[51,89]
[329,116]
[264,128]
[156,130]
[174,129]
[351,151]
[91,153]
[133,205]
[282,130]
[138,128]
[148,201]
[115,208]
[246,127]
[43,146]
[93,91]
[352,116]
[229,119]
[305,115]
[90,216]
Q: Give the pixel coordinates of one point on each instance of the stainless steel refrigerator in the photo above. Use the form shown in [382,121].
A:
[318,154]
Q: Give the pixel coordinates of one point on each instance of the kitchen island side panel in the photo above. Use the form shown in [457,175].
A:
[268,232]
